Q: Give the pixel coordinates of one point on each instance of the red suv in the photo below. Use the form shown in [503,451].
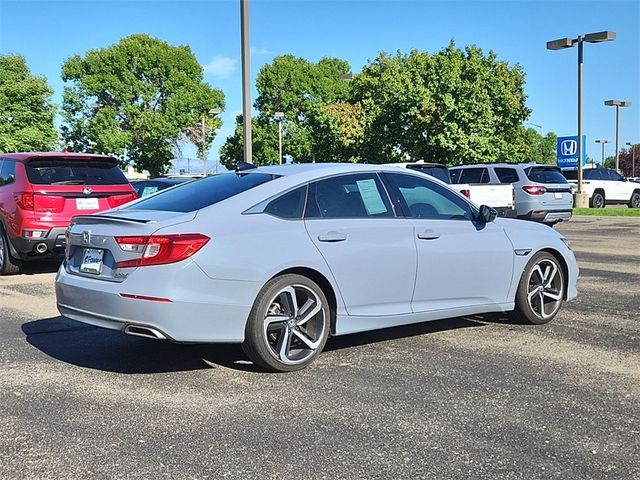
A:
[40,192]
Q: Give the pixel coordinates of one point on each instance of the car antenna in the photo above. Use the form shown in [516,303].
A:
[241,166]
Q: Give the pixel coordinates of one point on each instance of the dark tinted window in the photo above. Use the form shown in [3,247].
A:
[570,174]
[615,176]
[196,195]
[289,205]
[144,188]
[507,175]
[427,200]
[473,175]
[61,171]
[348,196]
[545,175]
[591,174]
[441,173]
[7,172]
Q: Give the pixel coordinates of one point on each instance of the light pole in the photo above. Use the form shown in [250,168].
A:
[617,104]
[633,158]
[536,125]
[603,142]
[582,199]
[246,77]
[203,135]
[279,116]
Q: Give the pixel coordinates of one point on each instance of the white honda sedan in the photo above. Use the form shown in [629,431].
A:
[280,258]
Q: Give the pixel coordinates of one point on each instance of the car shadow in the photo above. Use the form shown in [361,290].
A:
[37,268]
[113,351]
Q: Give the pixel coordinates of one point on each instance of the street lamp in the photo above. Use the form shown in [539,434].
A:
[617,104]
[203,134]
[581,198]
[536,125]
[246,81]
[279,116]
[603,142]
[633,158]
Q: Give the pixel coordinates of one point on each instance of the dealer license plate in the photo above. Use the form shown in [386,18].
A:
[92,261]
[87,203]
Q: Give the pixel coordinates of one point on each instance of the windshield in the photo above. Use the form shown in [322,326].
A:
[192,196]
[61,171]
[441,173]
[545,175]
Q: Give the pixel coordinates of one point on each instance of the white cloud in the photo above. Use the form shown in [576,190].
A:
[256,52]
[221,67]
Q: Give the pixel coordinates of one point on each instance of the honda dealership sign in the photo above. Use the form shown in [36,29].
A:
[568,151]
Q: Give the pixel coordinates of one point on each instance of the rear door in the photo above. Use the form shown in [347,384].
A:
[370,252]
[621,189]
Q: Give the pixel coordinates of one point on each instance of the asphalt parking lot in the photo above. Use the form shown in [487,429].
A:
[465,398]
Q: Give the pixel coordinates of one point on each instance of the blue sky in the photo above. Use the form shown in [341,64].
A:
[48,32]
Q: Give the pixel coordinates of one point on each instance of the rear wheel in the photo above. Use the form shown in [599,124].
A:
[541,289]
[8,265]
[288,325]
[597,200]
[634,201]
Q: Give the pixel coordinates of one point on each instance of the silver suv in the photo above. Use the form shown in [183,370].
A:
[542,194]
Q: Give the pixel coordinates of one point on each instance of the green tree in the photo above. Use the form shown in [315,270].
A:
[26,111]
[265,144]
[536,148]
[456,106]
[135,99]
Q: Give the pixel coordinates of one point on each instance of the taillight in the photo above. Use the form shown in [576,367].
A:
[534,189]
[48,203]
[466,193]
[117,200]
[25,201]
[160,249]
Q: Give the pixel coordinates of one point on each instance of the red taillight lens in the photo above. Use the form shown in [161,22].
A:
[534,189]
[160,249]
[466,193]
[25,201]
[48,203]
[117,200]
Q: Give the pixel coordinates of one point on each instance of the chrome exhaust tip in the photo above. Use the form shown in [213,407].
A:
[146,332]
[41,247]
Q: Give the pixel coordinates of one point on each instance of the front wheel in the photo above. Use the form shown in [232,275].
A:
[288,325]
[634,201]
[541,290]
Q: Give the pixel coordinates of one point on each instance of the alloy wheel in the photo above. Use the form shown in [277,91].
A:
[294,324]
[545,289]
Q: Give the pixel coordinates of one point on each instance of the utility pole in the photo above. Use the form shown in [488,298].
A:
[279,116]
[603,143]
[246,77]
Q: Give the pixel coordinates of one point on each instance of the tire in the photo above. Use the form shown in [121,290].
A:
[8,264]
[597,200]
[634,201]
[553,283]
[297,331]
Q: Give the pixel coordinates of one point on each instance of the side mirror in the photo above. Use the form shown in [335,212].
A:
[487,214]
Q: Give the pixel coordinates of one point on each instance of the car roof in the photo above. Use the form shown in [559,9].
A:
[24,156]
[505,164]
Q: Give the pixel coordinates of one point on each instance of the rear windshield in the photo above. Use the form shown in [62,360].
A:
[441,173]
[60,171]
[545,175]
[192,196]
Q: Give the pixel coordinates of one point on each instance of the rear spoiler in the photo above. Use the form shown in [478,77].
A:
[93,219]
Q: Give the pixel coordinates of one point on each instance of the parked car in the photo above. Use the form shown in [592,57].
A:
[541,192]
[278,258]
[606,187]
[500,197]
[40,192]
[144,188]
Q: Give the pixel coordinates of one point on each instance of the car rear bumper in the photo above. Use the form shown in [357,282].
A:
[506,212]
[186,306]
[27,248]
[548,216]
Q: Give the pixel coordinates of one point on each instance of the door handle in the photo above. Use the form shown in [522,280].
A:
[428,235]
[332,237]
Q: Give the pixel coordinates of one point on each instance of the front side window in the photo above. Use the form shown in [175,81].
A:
[507,175]
[7,172]
[615,176]
[473,175]
[426,200]
[61,171]
[290,205]
[348,196]
[192,196]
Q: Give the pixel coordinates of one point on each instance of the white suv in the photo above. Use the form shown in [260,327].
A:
[605,187]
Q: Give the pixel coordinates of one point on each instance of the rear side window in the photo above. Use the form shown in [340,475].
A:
[61,171]
[193,196]
[348,196]
[473,175]
[571,174]
[290,205]
[7,172]
[441,173]
[507,175]
[545,175]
